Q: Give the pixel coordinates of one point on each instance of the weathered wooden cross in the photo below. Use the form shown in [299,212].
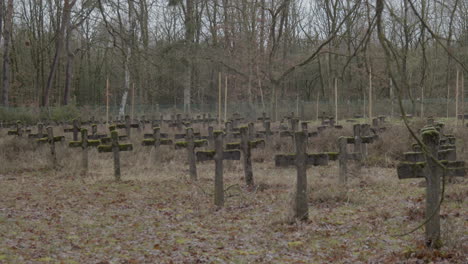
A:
[156,139]
[51,140]
[75,129]
[245,146]
[106,140]
[115,148]
[191,144]
[428,165]
[263,119]
[19,130]
[94,133]
[40,132]
[84,144]
[128,125]
[359,140]
[218,155]
[301,160]
[344,156]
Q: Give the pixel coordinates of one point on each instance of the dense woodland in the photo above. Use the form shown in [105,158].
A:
[62,52]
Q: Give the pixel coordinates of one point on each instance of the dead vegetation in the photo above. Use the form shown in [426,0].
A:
[157,215]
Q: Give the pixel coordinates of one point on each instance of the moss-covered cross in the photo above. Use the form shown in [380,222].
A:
[218,155]
[115,148]
[156,138]
[191,144]
[245,146]
[84,144]
[75,129]
[427,165]
[301,159]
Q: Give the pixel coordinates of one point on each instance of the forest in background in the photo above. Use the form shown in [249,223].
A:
[62,52]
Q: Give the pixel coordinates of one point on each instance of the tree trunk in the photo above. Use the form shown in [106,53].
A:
[123,102]
[69,68]
[6,53]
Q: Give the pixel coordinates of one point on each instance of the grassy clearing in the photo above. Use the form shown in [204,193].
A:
[157,216]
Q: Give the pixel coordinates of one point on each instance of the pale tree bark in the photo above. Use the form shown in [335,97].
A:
[128,55]
[188,61]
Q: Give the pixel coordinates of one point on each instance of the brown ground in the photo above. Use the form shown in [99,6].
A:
[157,216]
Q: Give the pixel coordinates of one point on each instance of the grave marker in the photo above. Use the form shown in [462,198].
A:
[157,139]
[40,132]
[426,165]
[190,144]
[51,140]
[301,159]
[75,129]
[218,155]
[115,148]
[245,146]
[84,144]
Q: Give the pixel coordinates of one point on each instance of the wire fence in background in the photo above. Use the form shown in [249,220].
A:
[306,110]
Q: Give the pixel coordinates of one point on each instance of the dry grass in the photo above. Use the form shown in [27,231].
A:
[156,215]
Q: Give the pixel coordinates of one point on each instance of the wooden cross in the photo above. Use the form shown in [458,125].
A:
[359,140]
[156,139]
[304,128]
[377,126]
[332,123]
[190,144]
[382,119]
[75,129]
[245,146]
[263,119]
[426,165]
[185,135]
[51,140]
[84,144]
[301,160]
[106,140]
[115,148]
[323,118]
[94,133]
[209,137]
[128,125]
[344,156]
[40,132]
[228,131]
[265,133]
[18,131]
[218,155]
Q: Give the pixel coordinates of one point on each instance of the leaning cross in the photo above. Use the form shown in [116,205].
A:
[428,165]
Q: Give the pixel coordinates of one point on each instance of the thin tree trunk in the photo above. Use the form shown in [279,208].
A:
[6,53]
[69,68]
[67,6]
